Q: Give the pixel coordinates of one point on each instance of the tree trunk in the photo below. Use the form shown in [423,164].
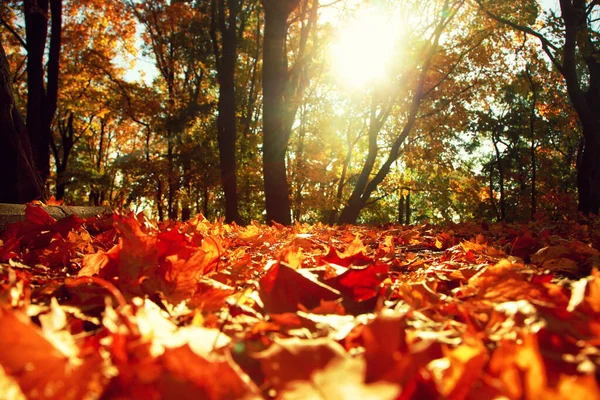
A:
[299,172]
[588,176]
[19,182]
[365,185]
[158,199]
[42,99]
[407,210]
[226,58]
[532,148]
[67,134]
[401,209]
[351,211]
[275,134]
[491,187]
[586,102]
[172,181]
[579,46]
[500,167]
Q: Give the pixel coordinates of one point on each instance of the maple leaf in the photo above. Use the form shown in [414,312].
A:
[359,283]
[36,215]
[353,255]
[458,371]
[284,289]
[166,361]
[137,258]
[524,246]
[40,369]
[51,201]
[342,378]
[288,360]
[573,258]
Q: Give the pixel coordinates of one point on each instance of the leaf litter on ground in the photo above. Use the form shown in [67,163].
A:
[118,306]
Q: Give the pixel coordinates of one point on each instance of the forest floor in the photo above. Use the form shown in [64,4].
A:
[122,307]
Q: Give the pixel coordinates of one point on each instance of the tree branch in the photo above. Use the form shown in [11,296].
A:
[547,45]
[13,32]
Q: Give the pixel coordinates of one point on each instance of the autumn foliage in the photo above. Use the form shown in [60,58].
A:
[118,307]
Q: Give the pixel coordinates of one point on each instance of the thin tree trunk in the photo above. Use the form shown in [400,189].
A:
[401,209]
[299,171]
[158,199]
[205,194]
[491,187]
[500,177]
[61,156]
[407,210]
[532,151]
[186,210]
[171,178]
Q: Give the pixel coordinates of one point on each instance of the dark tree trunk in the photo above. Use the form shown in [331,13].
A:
[491,187]
[19,182]
[401,209]
[97,194]
[158,198]
[186,208]
[172,181]
[588,176]
[42,98]
[532,147]
[579,46]
[585,102]
[407,209]
[226,57]
[205,194]
[500,167]
[67,135]
[275,133]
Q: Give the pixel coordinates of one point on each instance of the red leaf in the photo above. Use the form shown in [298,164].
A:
[284,289]
[38,216]
[360,283]
[41,370]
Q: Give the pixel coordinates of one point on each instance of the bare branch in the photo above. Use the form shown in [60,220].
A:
[13,32]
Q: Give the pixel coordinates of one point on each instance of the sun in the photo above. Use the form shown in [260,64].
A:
[365,49]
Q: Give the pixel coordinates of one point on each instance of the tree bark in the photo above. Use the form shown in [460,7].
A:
[532,147]
[226,57]
[585,102]
[42,98]
[579,45]
[407,210]
[67,134]
[500,167]
[19,182]
[275,134]
[401,209]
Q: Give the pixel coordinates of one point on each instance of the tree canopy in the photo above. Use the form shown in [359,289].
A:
[304,110]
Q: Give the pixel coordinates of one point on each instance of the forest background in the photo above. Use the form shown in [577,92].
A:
[303,110]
